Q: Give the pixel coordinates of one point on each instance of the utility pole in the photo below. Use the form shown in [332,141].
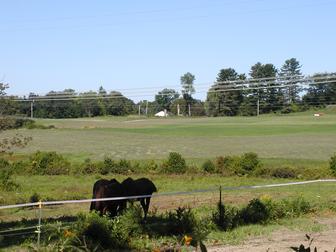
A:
[178,109]
[32,109]
[189,109]
[258,107]
[139,109]
[146,108]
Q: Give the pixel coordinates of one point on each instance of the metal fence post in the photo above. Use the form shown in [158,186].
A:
[38,231]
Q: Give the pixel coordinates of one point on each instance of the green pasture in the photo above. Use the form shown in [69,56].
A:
[72,187]
[297,137]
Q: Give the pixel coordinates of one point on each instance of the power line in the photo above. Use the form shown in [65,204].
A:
[211,90]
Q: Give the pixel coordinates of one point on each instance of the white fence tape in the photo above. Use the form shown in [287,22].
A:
[45,203]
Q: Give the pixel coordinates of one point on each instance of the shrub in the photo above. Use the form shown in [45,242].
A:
[4,164]
[182,221]
[208,166]
[254,212]
[225,218]
[225,165]
[298,206]
[175,163]
[262,171]
[88,167]
[287,208]
[151,166]
[111,166]
[101,233]
[283,172]
[7,182]
[92,229]
[332,164]
[48,163]
[6,173]
[124,166]
[34,197]
[249,161]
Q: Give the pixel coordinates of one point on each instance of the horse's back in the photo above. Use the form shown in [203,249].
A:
[145,185]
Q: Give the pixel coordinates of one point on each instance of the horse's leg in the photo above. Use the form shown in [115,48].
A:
[92,205]
[143,204]
[146,206]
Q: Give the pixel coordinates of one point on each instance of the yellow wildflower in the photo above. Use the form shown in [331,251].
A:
[68,233]
[187,240]
[265,197]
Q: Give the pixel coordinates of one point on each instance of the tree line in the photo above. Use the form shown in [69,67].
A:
[265,89]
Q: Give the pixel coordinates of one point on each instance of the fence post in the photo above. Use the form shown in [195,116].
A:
[38,231]
[221,214]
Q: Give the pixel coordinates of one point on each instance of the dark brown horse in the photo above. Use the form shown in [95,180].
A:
[104,188]
[138,187]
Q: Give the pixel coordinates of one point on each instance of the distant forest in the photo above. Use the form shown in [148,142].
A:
[265,89]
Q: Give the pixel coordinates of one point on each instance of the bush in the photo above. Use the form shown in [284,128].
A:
[34,198]
[111,166]
[182,221]
[88,167]
[287,208]
[151,166]
[225,218]
[239,165]
[283,172]
[332,164]
[6,176]
[255,212]
[262,171]
[175,163]
[208,166]
[48,163]
[101,233]
[249,162]
[4,164]
[225,165]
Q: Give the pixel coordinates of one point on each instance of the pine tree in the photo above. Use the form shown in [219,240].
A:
[290,73]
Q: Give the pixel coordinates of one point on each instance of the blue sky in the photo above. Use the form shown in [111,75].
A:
[129,45]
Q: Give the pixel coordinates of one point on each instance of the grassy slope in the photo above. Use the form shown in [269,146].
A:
[286,137]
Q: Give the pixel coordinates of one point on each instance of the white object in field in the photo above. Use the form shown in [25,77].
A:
[317,114]
[161,114]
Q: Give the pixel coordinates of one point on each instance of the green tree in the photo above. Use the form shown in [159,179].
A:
[321,92]
[222,99]
[290,72]
[270,99]
[187,82]
[165,98]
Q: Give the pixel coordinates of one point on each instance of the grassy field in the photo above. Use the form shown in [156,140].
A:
[296,137]
[299,140]
[80,187]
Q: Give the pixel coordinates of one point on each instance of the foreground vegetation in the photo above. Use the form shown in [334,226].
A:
[177,228]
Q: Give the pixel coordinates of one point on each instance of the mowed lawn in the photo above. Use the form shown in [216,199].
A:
[285,137]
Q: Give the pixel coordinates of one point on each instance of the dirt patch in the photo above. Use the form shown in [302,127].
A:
[283,239]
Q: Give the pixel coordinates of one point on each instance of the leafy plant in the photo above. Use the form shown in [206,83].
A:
[249,161]
[254,212]
[283,172]
[332,164]
[6,180]
[48,163]
[208,166]
[225,217]
[175,163]
[302,248]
